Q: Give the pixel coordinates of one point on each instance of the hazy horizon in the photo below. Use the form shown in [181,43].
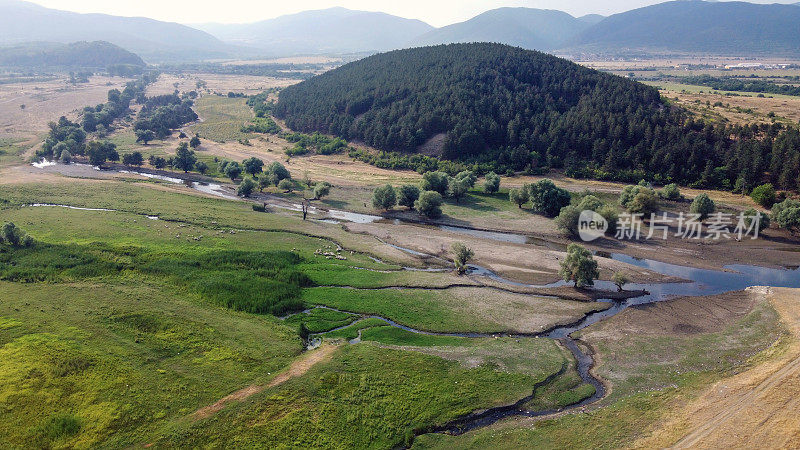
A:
[445,12]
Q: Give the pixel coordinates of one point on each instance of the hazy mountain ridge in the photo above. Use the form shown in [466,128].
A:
[23,22]
[677,27]
[335,30]
[732,28]
[538,29]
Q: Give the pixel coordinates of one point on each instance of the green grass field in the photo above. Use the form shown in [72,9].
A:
[122,320]
[222,118]
[123,360]
[366,397]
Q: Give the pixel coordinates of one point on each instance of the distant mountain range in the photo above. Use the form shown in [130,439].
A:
[729,28]
[77,55]
[334,30]
[687,26]
[22,22]
[540,29]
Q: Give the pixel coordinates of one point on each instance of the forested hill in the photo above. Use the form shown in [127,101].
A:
[502,107]
[98,54]
[481,95]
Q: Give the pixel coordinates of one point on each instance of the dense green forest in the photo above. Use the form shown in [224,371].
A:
[503,108]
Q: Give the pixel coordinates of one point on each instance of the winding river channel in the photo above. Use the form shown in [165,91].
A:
[698,282]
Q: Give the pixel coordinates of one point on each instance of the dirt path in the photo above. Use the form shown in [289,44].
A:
[755,409]
[296,369]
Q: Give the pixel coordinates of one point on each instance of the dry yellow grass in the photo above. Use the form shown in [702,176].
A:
[784,107]
[245,84]
[47,101]
[755,409]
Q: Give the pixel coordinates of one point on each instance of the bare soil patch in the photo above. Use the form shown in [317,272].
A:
[755,409]
[433,146]
[520,262]
[681,317]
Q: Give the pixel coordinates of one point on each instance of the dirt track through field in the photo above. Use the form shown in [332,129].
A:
[755,409]
[297,368]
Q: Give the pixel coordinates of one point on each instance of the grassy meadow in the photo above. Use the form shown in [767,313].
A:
[222,118]
[123,325]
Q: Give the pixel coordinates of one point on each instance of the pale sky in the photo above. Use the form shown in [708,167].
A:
[435,12]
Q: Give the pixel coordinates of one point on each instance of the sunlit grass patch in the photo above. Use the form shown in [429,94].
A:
[222,118]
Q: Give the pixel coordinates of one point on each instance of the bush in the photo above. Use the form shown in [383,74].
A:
[547,198]
[246,187]
[261,125]
[14,236]
[468,177]
[518,196]
[322,190]
[620,280]
[639,199]
[670,192]
[384,197]
[568,218]
[644,202]
[201,167]
[764,195]
[66,157]
[612,217]
[579,266]
[458,189]
[429,204]
[590,203]
[787,215]
[461,256]
[286,185]
[133,159]
[231,169]
[408,194]
[278,171]
[259,208]
[703,205]
[436,181]
[492,183]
